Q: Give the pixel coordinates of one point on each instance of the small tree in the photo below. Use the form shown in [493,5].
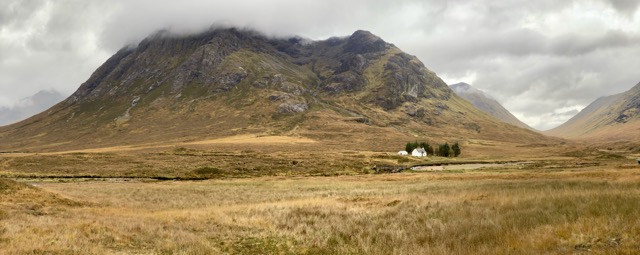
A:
[443,150]
[429,149]
[410,146]
[456,149]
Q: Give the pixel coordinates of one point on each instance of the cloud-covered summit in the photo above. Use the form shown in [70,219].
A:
[542,59]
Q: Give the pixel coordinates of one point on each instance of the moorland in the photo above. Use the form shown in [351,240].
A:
[298,196]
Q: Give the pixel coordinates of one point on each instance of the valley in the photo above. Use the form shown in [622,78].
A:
[287,195]
[229,141]
[566,205]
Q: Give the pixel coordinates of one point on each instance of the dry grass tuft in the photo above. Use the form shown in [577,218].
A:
[517,212]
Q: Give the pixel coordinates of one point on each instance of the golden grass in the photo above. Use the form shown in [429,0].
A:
[253,156]
[563,211]
[244,140]
[254,140]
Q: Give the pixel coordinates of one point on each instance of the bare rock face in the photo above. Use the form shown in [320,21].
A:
[362,42]
[356,63]
[292,106]
[289,103]
[414,111]
[345,82]
[204,65]
[349,76]
[630,110]
[206,62]
[103,73]
[406,80]
[229,79]
[292,88]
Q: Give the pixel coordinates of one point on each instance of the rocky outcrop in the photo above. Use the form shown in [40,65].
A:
[362,42]
[204,62]
[407,80]
[100,75]
[292,107]
[289,104]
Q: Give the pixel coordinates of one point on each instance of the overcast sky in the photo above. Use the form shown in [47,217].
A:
[544,60]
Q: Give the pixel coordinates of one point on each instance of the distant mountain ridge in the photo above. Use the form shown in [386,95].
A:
[352,91]
[487,104]
[615,117]
[29,106]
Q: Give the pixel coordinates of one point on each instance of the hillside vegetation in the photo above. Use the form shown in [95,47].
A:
[230,82]
[613,119]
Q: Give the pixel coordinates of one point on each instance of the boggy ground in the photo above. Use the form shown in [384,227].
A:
[250,156]
[544,209]
[303,197]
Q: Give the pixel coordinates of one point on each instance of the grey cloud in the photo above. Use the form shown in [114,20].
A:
[626,7]
[137,19]
[47,45]
[15,11]
[531,72]
[574,44]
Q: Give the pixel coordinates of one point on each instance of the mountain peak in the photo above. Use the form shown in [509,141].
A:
[468,89]
[461,87]
[362,41]
[486,103]
[225,82]
[364,34]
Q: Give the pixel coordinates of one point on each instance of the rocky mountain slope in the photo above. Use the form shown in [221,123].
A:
[486,103]
[351,91]
[29,106]
[610,118]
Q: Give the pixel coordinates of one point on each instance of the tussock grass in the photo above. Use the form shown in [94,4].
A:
[559,212]
[187,163]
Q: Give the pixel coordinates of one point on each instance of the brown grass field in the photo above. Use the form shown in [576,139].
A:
[221,199]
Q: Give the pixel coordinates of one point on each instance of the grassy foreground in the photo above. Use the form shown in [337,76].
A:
[592,210]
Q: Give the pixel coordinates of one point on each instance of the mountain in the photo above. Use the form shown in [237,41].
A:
[486,103]
[29,106]
[353,92]
[611,118]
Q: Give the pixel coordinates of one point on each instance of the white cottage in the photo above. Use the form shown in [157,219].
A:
[403,153]
[419,152]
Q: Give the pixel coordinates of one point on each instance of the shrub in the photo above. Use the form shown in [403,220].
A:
[207,170]
[444,149]
[456,149]
[410,146]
